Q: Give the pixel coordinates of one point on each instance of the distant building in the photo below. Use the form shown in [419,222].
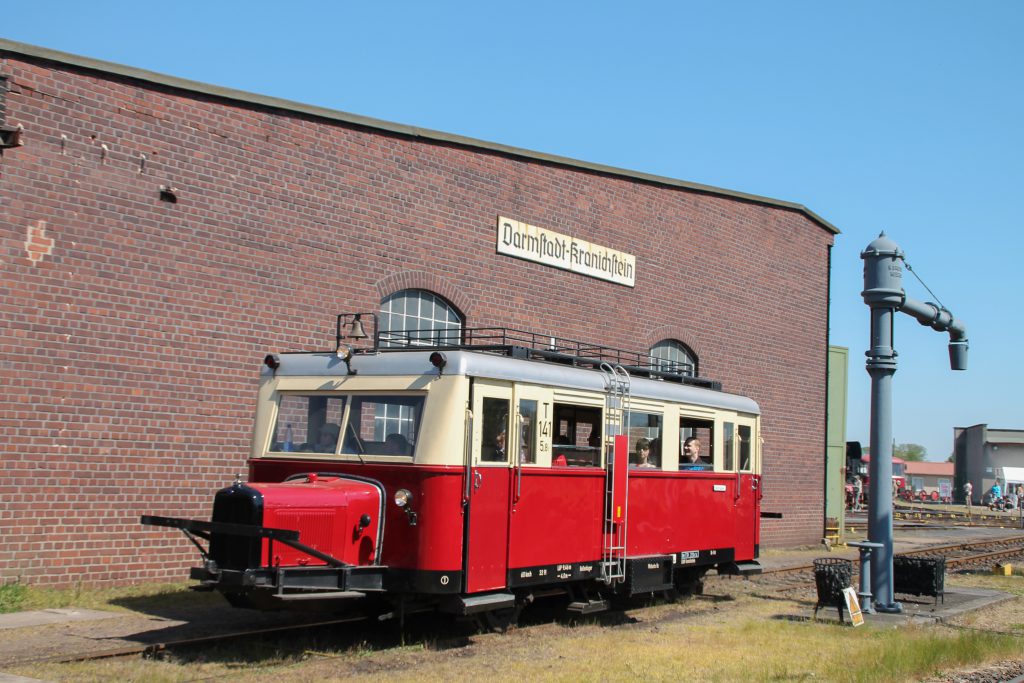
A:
[933,479]
[983,455]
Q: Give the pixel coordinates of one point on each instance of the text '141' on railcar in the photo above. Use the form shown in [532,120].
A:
[475,469]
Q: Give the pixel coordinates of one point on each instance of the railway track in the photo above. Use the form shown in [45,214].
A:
[923,514]
[157,648]
[960,555]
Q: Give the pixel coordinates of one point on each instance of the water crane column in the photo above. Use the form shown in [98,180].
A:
[883,292]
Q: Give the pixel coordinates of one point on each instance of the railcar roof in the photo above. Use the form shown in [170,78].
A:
[500,367]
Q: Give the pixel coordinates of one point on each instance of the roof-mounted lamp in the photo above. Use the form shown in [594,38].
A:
[344,352]
[438,360]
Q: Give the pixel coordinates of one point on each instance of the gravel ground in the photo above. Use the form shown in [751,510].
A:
[1006,619]
[1001,672]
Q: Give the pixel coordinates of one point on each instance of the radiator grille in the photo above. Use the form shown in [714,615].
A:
[238,504]
[316,526]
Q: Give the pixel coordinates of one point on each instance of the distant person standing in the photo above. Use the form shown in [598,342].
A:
[858,493]
[968,491]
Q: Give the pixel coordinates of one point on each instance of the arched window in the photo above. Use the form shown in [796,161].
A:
[418,317]
[674,356]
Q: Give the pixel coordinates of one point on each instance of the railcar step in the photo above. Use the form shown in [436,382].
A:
[473,604]
[320,595]
[588,606]
[751,568]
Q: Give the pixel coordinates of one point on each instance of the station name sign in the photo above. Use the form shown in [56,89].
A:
[531,243]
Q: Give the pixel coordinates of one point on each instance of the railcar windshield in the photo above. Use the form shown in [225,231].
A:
[382,425]
[378,424]
[308,423]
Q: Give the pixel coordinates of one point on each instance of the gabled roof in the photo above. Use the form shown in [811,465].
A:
[867,458]
[929,469]
[111,68]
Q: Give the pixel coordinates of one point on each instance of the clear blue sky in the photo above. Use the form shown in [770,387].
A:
[903,116]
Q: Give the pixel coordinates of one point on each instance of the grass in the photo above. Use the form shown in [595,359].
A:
[17,597]
[12,597]
[750,639]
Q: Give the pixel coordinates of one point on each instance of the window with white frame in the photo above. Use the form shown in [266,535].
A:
[674,356]
[417,317]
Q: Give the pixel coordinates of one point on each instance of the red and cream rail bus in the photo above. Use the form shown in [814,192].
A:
[475,474]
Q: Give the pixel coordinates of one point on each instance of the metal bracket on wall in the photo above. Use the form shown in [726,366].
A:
[10,136]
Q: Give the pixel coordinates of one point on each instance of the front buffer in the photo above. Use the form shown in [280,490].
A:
[311,537]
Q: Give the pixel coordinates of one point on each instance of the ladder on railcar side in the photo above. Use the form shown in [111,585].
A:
[616,422]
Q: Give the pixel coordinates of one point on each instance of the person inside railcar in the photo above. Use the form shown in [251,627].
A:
[397,444]
[691,454]
[656,451]
[643,453]
[496,451]
[328,440]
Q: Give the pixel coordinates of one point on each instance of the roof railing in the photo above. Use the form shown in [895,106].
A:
[351,331]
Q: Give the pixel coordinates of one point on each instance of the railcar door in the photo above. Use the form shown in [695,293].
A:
[489,487]
[747,494]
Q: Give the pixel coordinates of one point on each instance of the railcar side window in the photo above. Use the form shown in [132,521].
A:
[727,445]
[495,430]
[577,438]
[308,423]
[745,446]
[527,431]
[702,431]
[645,430]
[382,425]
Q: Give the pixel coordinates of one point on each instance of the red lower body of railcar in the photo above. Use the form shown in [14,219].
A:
[509,529]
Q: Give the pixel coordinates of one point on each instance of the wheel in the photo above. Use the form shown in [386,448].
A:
[500,620]
[240,600]
[690,581]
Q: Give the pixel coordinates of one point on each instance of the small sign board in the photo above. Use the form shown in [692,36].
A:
[853,606]
[540,245]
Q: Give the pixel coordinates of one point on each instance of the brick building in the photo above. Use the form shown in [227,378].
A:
[159,236]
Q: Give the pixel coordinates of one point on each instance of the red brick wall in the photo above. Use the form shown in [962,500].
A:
[134,328]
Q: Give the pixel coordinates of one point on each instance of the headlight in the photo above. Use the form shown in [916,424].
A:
[402,497]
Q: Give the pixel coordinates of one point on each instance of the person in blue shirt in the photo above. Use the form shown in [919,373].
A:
[691,455]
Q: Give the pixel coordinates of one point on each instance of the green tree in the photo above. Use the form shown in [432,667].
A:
[910,451]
